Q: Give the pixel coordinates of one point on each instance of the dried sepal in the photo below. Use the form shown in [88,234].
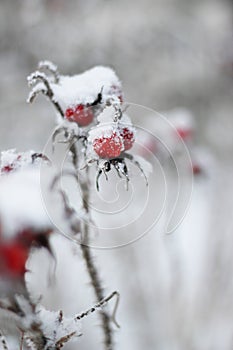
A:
[119,164]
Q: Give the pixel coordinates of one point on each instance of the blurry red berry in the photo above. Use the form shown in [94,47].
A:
[80,114]
[108,146]
[128,138]
[184,133]
[69,113]
[196,169]
[7,169]
[13,257]
[14,254]
[121,98]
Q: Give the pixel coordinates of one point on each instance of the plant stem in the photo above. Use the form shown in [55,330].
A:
[87,255]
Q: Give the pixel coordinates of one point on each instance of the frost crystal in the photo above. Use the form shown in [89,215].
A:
[12,160]
[48,65]
[58,329]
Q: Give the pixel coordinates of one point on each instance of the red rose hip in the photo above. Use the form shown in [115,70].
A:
[80,114]
[108,146]
[128,138]
[13,257]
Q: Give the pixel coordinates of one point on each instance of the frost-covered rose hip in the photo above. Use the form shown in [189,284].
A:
[82,115]
[108,146]
[128,137]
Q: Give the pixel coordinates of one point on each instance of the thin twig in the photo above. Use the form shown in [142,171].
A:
[87,255]
[101,304]
[39,76]
[52,68]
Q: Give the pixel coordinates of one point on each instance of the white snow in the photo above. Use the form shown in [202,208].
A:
[107,116]
[84,88]
[109,113]
[107,126]
[54,330]
[32,78]
[15,159]
[103,131]
[47,64]
[21,204]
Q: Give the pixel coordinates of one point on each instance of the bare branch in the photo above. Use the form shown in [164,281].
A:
[37,77]
[100,305]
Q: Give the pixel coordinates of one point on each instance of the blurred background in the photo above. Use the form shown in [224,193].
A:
[176,290]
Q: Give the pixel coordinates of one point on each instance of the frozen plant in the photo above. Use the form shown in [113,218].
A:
[91,118]
[25,225]
[94,125]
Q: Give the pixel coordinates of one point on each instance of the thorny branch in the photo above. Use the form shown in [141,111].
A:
[100,305]
[92,269]
[35,80]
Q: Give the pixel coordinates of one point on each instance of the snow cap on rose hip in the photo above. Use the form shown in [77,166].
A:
[83,89]
[21,204]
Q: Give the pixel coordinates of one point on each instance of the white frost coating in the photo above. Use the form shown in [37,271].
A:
[32,78]
[52,325]
[84,88]
[8,157]
[54,330]
[21,203]
[108,115]
[107,127]
[15,160]
[104,131]
[71,127]
[48,64]
[35,90]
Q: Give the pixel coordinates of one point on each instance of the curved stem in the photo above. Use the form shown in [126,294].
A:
[87,255]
